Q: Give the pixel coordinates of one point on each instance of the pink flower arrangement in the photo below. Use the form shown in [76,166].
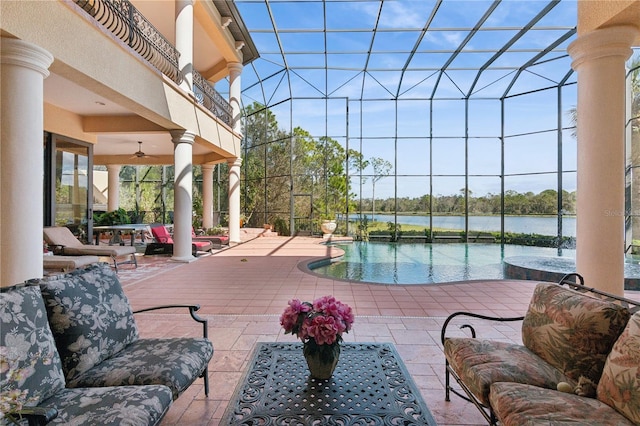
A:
[321,322]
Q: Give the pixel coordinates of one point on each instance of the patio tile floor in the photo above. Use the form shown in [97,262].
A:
[243,290]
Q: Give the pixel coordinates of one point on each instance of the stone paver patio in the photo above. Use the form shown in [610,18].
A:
[243,290]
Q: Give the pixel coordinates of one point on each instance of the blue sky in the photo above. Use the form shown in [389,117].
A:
[330,73]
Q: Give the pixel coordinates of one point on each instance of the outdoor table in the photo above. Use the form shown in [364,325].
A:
[132,229]
[370,383]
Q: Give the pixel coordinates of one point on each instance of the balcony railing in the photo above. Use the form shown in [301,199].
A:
[209,98]
[129,25]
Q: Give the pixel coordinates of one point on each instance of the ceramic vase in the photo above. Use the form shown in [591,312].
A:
[322,363]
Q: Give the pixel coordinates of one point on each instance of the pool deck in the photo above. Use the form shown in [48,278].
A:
[243,290]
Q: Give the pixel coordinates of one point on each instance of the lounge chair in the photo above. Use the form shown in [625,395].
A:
[67,263]
[217,240]
[164,243]
[65,243]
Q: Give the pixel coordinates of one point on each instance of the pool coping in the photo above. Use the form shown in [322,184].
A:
[337,253]
[512,270]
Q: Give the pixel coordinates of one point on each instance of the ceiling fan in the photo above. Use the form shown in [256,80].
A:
[140,154]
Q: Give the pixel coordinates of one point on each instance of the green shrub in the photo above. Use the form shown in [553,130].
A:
[281,226]
[115,217]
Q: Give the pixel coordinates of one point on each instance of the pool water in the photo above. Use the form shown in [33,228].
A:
[406,263]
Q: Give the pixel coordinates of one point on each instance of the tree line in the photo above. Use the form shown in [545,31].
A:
[317,172]
[515,203]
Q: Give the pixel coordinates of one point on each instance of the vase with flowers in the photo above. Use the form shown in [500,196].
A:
[320,326]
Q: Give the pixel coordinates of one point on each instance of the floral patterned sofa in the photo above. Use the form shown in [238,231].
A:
[579,361]
[70,353]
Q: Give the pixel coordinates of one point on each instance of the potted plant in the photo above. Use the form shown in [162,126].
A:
[328,226]
[320,326]
[115,217]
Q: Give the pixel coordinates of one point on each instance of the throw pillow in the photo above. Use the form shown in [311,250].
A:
[572,331]
[619,385]
[30,369]
[90,316]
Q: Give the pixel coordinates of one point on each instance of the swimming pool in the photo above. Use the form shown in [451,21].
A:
[406,263]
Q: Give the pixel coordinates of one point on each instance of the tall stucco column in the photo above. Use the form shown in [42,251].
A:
[113,190]
[184,41]
[207,196]
[23,68]
[234,200]
[599,59]
[235,88]
[182,198]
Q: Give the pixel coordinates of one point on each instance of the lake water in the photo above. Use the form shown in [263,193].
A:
[517,224]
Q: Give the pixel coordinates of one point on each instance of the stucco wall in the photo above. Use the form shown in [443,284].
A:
[63,122]
[594,14]
[98,61]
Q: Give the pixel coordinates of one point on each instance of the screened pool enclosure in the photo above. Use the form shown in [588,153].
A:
[415,118]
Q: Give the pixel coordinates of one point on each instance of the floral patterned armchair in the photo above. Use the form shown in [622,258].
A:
[32,382]
[569,338]
[97,337]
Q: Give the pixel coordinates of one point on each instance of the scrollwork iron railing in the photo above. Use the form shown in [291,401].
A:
[129,25]
[209,98]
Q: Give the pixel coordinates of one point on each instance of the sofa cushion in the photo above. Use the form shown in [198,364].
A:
[89,315]
[175,362]
[479,363]
[122,405]
[619,385]
[517,404]
[30,369]
[571,331]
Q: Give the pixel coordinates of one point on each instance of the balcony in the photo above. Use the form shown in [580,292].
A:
[122,19]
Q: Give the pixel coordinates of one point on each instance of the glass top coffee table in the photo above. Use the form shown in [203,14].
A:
[371,385]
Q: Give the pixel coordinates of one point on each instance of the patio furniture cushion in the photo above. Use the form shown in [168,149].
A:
[30,369]
[122,405]
[111,251]
[517,404]
[61,236]
[68,244]
[479,363]
[89,315]
[67,263]
[619,385]
[173,362]
[217,240]
[571,331]
[162,236]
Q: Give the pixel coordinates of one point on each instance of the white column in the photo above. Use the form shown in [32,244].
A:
[235,87]
[184,41]
[599,59]
[234,200]
[182,188]
[113,190]
[235,70]
[207,196]
[23,68]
